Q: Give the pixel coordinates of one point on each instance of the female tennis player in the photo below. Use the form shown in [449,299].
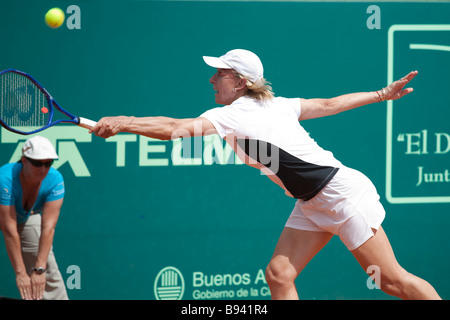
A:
[265,132]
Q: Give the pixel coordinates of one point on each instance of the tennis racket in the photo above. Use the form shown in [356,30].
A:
[26,107]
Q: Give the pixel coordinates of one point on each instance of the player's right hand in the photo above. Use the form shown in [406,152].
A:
[109,126]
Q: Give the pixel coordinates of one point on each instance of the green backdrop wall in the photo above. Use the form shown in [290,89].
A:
[143,218]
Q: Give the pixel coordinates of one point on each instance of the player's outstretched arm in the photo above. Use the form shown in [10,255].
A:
[162,128]
[316,108]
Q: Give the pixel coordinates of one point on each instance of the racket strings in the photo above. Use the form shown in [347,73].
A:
[23,106]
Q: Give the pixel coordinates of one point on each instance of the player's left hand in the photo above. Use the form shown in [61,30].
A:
[396,89]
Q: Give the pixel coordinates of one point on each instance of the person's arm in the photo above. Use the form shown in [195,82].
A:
[316,108]
[162,128]
[8,225]
[50,215]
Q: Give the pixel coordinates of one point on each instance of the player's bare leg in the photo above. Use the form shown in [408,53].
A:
[294,250]
[394,280]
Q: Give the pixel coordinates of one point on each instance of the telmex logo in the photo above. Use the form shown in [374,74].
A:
[169,284]
[152,152]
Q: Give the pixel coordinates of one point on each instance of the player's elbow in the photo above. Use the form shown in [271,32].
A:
[330,106]
[181,128]
[164,128]
[171,129]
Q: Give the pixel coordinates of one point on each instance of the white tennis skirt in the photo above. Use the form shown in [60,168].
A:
[348,206]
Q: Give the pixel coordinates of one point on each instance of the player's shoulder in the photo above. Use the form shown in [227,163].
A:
[285,100]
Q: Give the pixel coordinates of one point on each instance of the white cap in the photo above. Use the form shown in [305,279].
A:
[244,62]
[39,148]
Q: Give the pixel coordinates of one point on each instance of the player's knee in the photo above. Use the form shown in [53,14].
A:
[391,287]
[279,274]
[398,284]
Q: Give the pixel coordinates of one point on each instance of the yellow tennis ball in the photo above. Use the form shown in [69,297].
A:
[54,18]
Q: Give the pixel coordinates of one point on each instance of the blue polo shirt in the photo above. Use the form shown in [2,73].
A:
[52,188]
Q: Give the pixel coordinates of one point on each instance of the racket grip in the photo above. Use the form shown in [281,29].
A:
[86,123]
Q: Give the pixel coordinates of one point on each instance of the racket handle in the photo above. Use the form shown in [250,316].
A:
[86,123]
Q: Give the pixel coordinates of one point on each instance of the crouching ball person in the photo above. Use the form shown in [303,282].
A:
[31,195]
[332,199]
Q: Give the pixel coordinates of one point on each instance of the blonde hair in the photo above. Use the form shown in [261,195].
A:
[259,90]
